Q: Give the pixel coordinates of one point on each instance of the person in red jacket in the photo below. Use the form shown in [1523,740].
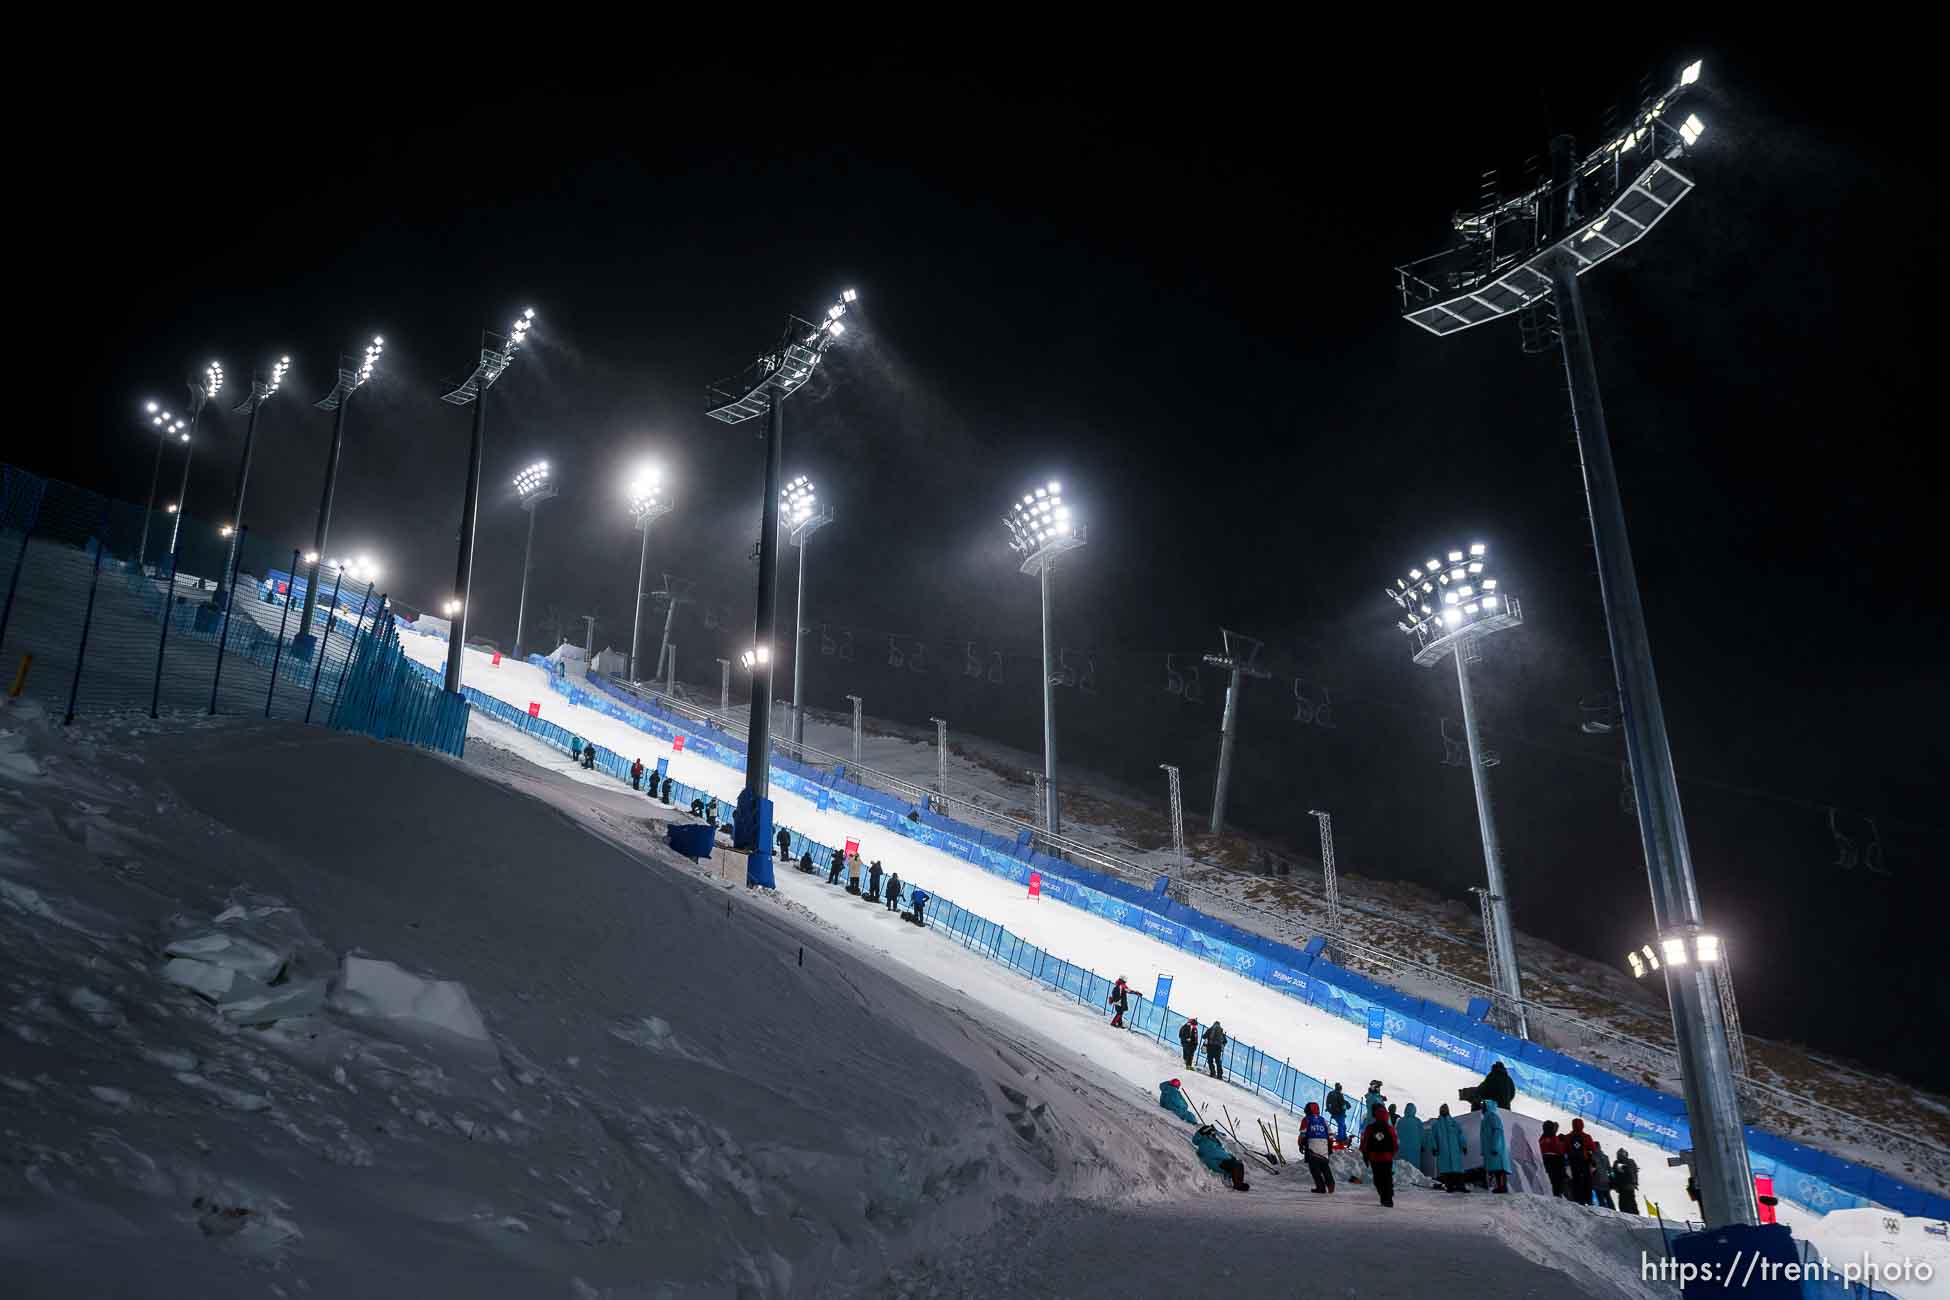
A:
[1378,1147]
[1551,1147]
[1579,1151]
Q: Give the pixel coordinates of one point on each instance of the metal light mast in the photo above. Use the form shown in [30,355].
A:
[648,503]
[533,486]
[1040,529]
[212,385]
[1330,881]
[167,427]
[351,379]
[262,389]
[799,505]
[1241,666]
[1525,255]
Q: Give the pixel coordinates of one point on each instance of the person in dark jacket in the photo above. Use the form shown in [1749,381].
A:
[668,782]
[784,840]
[1601,1178]
[894,892]
[711,811]
[1188,1040]
[1497,1086]
[1551,1147]
[805,863]
[920,897]
[1120,999]
[636,774]
[1215,1046]
[1337,1107]
[589,756]
[1579,1148]
[874,873]
[1625,1181]
[697,807]
[1316,1145]
[839,865]
[1378,1147]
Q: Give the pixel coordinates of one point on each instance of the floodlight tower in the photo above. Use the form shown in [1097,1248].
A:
[497,353]
[352,377]
[263,388]
[1040,529]
[1449,607]
[199,396]
[762,389]
[1241,659]
[168,429]
[676,591]
[1524,255]
[532,487]
[803,516]
[648,503]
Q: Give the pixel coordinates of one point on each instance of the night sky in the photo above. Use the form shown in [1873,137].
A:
[1165,279]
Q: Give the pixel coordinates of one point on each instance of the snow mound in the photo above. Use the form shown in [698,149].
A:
[369,987]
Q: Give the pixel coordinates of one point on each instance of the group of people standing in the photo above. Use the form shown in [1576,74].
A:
[1212,1038]
[1583,1174]
[848,865]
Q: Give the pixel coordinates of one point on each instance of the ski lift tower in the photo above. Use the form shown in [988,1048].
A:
[1241,660]
[762,388]
[1524,256]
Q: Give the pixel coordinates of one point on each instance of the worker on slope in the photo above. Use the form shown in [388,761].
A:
[1601,1177]
[894,892]
[1551,1147]
[1215,1046]
[1337,1107]
[1316,1145]
[874,873]
[1119,1001]
[1379,1146]
[1446,1135]
[1188,1040]
[1171,1095]
[1496,1148]
[1374,1097]
[1625,1181]
[1218,1160]
[1409,1129]
[636,774]
[838,865]
[1579,1150]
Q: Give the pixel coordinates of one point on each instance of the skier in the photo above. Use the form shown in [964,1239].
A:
[636,774]
[1337,1107]
[1316,1145]
[1120,998]
[1551,1147]
[1378,1147]
[1496,1149]
[874,873]
[853,874]
[805,863]
[920,897]
[894,892]
[839,861]
[1625,1181]
[1188,1040]
[1213,1153]
[1409,1129]
[1450,1147]
[1601,1177]
[1215,1046]
[1578,1148]
[1171,1095]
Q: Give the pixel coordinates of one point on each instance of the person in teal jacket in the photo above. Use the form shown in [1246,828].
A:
[1172,1097]
[1409,1133]
[1446,1136]
[1375,1097]
[1218,1160]
[1496,1149]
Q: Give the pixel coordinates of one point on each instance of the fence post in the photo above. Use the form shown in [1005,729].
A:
[87,618]
[324,643]
[278,654]
[230,599]
[13,582]
[338,692]
[162,641]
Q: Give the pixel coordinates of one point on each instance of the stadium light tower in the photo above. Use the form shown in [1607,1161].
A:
[648,503]
[1523,255]
[1040,529]
[762,389]
[199,396]
[532,487]
[168,429]
[263,388]
[352,377]
[1449,607]
[803,516]
[497,353]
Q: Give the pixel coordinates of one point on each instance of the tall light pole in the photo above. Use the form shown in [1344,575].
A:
[1040,529]
[1241,660]
[857,706]
[497,352]
[1523,256]
[263,388]
[351,379]
[532,487]
[1450,607]
[212,385]
[648,503]
[676,591]
[1176,795]
[799,505]
[167,429]
[762,389]
[1330,882]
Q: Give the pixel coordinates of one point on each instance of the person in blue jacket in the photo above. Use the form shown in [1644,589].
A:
[1496,1149]
[1446,1136]
[1218,1160]
[1374,1097]
[1316,1145]
[919,898]
[1409,1132]
[1171,1095]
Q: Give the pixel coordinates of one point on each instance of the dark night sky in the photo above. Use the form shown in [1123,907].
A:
[1167,280]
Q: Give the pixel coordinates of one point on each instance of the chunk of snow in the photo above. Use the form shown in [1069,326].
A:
[236,951]
[370,987]
[220,984]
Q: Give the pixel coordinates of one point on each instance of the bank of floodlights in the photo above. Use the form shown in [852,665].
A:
[1675,951]
[756,657]
[797,502]
[647,498]
[1041,526]
[262,387]
[783,372]
[352,375]
[497,353]
[1451,597]
[533,485]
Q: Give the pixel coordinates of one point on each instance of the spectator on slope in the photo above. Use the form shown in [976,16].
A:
[784,840]
[1188,1040]
[1218,1160]
[1625,1181]
[874,873]
[1601,1177]
[1578,1150]
[1120,999]
[1496,1148]
[920,897]
[1215,1047]
[1409,1130]
[668,782]
[839,864]
[1171,1095]
[1337,1107]
[1378,1147]
[636,774]
[853,874]
[1551,1147]
[805,863]
[894,892]
[1446,1135]
[1316,1145]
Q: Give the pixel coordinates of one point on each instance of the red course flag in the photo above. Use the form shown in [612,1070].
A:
[534,708]
[1035,884]
[678,744]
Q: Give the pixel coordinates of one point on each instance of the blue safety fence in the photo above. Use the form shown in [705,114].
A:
[385,696]
[1812,1178]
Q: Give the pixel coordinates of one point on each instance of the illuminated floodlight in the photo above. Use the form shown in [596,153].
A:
[451,608]
[1470,603]
[646,496]
[1674,950]
[756,657]
[1637,963]
[497,352]
[1691,73]
[1041,526]
[534,483]
[850,295]
[797,502]
[170,508]
[1706,947]
[782,372]
[1691,129]
[212,380]
[225,530]
[311,557]
[151,408]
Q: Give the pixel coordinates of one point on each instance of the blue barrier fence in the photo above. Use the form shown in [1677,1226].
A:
[1812,1178]
[386,696]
